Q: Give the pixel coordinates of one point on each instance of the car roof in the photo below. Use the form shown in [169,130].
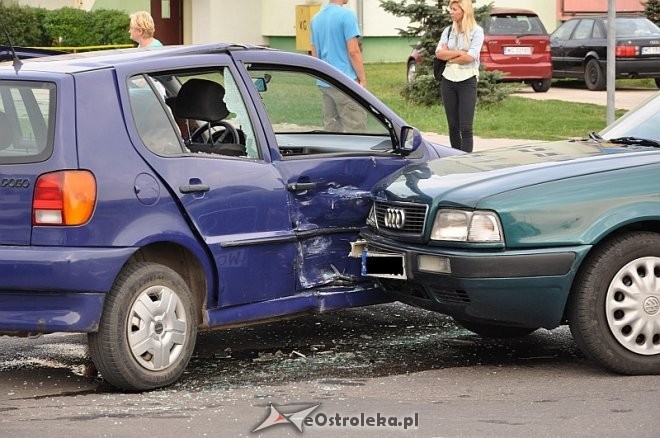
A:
[511,11]
[86,61]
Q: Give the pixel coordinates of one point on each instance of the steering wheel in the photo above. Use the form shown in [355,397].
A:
[227,133]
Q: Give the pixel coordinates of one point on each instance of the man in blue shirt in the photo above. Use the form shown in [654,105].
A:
[335,39]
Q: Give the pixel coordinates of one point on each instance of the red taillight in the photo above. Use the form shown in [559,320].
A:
[626,51]
[64,198]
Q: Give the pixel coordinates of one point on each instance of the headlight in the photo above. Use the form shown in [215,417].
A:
[466,226]
[371,219]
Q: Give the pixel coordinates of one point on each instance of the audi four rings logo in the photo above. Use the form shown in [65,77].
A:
[394,218]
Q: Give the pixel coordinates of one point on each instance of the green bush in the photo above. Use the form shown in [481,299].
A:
[39,27]
[111,27]
[25,25]
[424,90]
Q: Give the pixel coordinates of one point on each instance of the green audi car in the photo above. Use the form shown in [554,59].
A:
[514,239]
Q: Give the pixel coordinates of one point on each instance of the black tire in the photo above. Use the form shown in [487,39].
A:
[657,82]
[494,330]
[614,308]
[411,71]
[149,310]
[594,77]
[541,85]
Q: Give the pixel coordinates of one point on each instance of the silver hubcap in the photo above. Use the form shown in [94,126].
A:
[156,328]
[633,306]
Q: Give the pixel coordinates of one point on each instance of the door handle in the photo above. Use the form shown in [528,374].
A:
[194,188]
[300,186]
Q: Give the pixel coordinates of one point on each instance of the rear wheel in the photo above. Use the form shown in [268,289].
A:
[594,77]
[541,85]
[494,330]
[614,311]
[657,82]
[148,329]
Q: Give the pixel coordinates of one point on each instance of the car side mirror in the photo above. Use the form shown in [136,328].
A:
[410,140]
[260,83]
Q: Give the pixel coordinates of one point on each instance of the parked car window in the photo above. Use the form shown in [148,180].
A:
[26,121]
[583,31]
[634,27]
[564,32]
[515,25]
[294,102]
[599,31]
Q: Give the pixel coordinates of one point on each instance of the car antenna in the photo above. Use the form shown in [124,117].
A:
[17,62]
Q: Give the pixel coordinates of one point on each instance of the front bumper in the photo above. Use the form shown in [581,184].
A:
[527,288]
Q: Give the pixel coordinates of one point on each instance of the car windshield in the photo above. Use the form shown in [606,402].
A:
[514,24]
[642,122]
[634,27]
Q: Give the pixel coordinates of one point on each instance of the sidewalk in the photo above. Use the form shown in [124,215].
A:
[624,98]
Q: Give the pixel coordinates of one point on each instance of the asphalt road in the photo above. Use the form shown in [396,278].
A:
[390,362]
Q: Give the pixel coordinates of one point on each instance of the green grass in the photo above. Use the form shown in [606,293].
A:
[516,117]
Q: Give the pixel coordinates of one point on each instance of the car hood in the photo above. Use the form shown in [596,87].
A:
[465,180]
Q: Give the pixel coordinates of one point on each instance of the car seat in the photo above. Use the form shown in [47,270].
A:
[202,99]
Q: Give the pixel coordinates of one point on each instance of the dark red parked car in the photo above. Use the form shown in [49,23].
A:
[516,43]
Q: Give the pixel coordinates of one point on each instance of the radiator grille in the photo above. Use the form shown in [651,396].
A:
[401,217]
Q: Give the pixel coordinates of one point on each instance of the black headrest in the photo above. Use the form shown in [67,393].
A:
[201,99]
[6,131]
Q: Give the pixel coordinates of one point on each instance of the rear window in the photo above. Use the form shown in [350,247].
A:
[514,24]
[26,121]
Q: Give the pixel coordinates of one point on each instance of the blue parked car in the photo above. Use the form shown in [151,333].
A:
[148,194]
[510,240]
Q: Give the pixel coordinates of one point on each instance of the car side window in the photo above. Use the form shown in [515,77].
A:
[199,112]
[564,32]
[310,115]
[27,115]
[151,117]
[584,30]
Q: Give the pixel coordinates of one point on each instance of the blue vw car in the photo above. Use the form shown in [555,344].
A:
[149,194]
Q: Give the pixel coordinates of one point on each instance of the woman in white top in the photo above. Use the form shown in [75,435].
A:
[460,45]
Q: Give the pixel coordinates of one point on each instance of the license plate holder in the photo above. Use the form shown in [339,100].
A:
[517,50]
[384,265]
[651,50]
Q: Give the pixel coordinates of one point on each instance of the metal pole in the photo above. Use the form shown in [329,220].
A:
[611,59]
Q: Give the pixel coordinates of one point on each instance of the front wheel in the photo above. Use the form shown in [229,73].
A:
[148,329]
[541,85]
[594,77]
[614,310]
[494,330]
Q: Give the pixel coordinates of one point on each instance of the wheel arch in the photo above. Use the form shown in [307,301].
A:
[651,225]
[589,56]
[185,263]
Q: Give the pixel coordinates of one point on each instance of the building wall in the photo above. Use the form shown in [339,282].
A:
[238,21]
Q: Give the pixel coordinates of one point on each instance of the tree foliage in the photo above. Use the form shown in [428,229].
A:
[652,11]
[38,27]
